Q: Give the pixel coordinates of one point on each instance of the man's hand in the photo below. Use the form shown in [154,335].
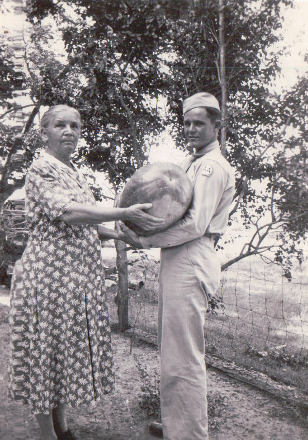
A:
[128,236]
[136,214]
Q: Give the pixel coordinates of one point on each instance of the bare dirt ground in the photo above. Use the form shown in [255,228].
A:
[237,411]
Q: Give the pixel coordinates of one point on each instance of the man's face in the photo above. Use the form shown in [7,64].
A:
[199,130]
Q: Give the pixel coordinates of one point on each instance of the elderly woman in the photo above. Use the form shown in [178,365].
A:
[60,338]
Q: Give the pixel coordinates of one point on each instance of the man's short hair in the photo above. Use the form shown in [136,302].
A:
[213,114]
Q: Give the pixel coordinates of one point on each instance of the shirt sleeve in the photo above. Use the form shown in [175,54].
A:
[210,183]
[48,187]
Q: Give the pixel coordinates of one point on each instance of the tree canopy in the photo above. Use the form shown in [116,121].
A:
[124,59]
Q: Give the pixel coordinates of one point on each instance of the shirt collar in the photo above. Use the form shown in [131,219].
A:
[210,147]
[56,161]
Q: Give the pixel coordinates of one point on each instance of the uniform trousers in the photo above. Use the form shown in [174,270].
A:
[188,273]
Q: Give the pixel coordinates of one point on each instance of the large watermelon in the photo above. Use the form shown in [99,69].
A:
[163,184]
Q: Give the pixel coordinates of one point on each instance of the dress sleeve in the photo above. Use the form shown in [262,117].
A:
[50,189]
[209,186]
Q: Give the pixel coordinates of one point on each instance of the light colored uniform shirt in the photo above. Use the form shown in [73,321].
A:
[213,182]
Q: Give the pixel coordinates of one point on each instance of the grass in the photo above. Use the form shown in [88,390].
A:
[262,325]
[149,400]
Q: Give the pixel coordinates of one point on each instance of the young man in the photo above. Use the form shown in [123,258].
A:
[190,273]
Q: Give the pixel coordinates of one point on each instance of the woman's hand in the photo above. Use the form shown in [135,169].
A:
[106,233]
[135,214]
[128,236]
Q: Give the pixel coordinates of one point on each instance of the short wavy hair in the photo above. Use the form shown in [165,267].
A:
[47,116]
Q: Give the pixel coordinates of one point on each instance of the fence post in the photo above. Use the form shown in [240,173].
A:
[122,297]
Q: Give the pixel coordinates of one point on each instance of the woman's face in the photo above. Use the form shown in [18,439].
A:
[62,133]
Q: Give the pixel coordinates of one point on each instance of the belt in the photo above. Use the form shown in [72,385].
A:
[214,237]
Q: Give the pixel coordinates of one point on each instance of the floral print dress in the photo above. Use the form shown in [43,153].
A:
[60,334]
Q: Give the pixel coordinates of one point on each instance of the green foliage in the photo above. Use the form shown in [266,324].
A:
[277,160]
[281,355]
[149,400]
[217,407]
[150,397]
[250,31]
[123,57]
[11,78]
[112,77]
[215,304]
[16,153]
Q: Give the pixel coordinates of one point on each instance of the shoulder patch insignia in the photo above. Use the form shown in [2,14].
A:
[207,171]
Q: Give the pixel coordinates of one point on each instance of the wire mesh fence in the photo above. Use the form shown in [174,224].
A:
[260,324]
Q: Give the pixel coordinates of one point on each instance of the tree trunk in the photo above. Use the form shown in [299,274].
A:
[222,77]
[2,262]
[122,297]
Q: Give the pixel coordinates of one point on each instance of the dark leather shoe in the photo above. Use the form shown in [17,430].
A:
[67,435]
[156,429]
